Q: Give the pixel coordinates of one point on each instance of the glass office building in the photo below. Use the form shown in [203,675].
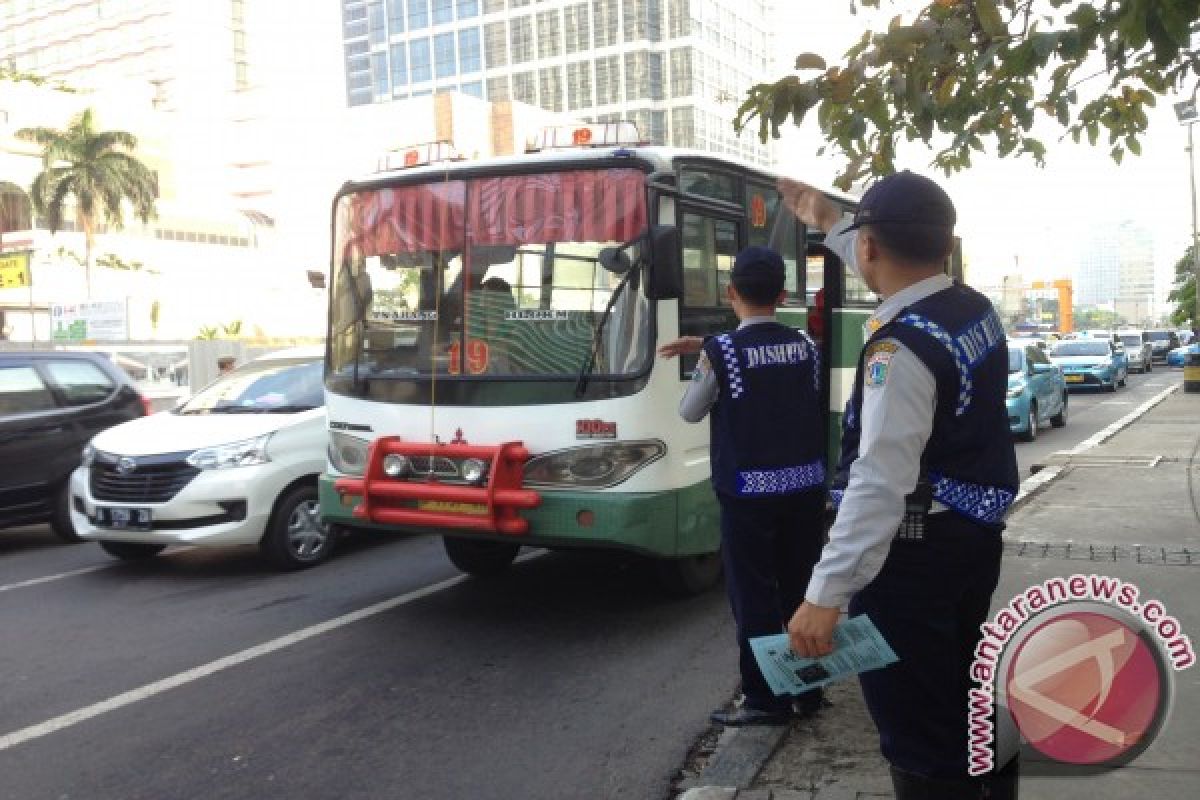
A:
[678,68]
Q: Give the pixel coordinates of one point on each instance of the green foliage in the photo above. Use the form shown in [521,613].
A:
[155,314]
[9,72]
[207,332]
[1183,295]
[232,329]
[93,171]
[1095,319]
[978,74]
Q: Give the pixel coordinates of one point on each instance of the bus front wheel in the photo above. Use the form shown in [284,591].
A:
[690,575]
[480,558]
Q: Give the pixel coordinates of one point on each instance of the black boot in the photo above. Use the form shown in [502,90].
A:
[911,786]
[1002,784]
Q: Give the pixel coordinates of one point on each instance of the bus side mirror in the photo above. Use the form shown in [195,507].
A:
[665,282]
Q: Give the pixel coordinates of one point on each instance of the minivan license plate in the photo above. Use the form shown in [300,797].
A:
[132,519]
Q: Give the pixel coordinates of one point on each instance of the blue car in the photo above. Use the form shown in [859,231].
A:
[1178,356]
[1037,392]
[1090,363]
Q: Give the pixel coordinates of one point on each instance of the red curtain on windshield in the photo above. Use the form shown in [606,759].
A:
[407,219]
[585,206]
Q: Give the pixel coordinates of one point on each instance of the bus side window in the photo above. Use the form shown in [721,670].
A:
[770,228]
[709,247]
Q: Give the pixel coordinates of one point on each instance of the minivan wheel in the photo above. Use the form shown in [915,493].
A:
[1060,419]
[295,537]
[132,551]
[1031,434]
[60,517]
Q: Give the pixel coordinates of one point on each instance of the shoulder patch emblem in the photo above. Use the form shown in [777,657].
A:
[876,363]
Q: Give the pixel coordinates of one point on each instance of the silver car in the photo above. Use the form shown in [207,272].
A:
[1139,352]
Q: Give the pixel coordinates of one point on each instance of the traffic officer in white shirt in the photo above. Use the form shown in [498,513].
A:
[926,475]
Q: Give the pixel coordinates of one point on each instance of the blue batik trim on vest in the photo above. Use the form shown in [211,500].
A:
[968,349]
[734,372]
[987,504]
[781,481]
[835,496]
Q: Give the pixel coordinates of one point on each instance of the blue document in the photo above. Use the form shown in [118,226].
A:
[858,647]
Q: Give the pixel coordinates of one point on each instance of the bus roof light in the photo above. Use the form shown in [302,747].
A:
[418,156]
[605,134]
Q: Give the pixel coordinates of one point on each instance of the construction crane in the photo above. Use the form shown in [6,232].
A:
[1066,317]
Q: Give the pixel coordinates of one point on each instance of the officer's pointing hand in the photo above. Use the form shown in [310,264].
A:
[809,205]
[684,345]
[810,632]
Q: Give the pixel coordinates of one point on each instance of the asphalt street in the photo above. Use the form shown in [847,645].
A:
[201,674]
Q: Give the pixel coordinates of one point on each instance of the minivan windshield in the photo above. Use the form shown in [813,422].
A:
[1016,358]
[263,387]
[1080,347]
[1134,341]
[1157,336]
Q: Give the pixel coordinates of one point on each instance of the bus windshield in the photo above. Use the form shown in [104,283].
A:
[491,277]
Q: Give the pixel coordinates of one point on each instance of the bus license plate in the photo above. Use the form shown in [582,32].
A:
[475,509]
[121,519]
[1074,378]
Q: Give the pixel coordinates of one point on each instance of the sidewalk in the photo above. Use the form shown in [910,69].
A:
[1126,508]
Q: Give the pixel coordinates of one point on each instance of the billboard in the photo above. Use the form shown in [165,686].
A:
[92,321]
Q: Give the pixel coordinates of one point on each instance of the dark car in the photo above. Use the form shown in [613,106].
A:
[51,405]
[1163,342]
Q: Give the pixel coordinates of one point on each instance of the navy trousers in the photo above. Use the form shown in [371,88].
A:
[769,548]
[928,601]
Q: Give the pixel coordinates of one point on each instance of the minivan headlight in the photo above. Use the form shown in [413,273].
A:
[88,456]
[246,453]
[594,466]
[348,454]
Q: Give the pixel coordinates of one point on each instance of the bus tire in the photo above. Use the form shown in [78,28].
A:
[480,558]
[690,575]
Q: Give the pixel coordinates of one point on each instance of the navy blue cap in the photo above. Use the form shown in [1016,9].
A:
[905,198]
[758,264]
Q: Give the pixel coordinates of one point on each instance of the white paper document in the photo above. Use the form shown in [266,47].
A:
[858,646]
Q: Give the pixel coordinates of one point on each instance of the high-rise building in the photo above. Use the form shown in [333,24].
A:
[192,52]
[677,68]
[1116,271]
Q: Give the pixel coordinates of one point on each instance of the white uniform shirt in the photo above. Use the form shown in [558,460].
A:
[898,403]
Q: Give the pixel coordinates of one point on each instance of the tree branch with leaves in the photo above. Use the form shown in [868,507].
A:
[969,76]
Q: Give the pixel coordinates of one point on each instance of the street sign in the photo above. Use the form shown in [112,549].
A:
[14,270]
[93,321]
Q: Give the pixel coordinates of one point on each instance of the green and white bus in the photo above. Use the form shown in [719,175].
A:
[491,370]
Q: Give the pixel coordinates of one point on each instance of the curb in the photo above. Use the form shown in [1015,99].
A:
[1034,485]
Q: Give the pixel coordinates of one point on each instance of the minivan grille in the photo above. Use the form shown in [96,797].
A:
[152,480]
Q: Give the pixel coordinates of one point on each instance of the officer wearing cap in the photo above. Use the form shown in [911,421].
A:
[759,386]
[926,475]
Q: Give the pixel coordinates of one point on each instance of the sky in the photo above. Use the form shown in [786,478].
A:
[1013,216]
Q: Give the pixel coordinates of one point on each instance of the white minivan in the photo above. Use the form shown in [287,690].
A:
[235,464]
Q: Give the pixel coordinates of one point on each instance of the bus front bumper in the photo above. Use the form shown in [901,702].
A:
[667,524]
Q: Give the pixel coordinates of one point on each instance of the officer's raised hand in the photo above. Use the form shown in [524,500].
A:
[810,631]
[684,345]
[809,205]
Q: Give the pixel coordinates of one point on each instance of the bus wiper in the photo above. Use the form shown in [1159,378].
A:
[585,372]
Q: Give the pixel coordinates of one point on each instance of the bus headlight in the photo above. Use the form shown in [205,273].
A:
[474,471]
[348,454]
[594,466]
[396,466]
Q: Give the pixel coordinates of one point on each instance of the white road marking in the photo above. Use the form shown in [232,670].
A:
[47,578]
[1037,481]
[67,720]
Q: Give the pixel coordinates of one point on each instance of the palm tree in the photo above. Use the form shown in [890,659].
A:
[97,172]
